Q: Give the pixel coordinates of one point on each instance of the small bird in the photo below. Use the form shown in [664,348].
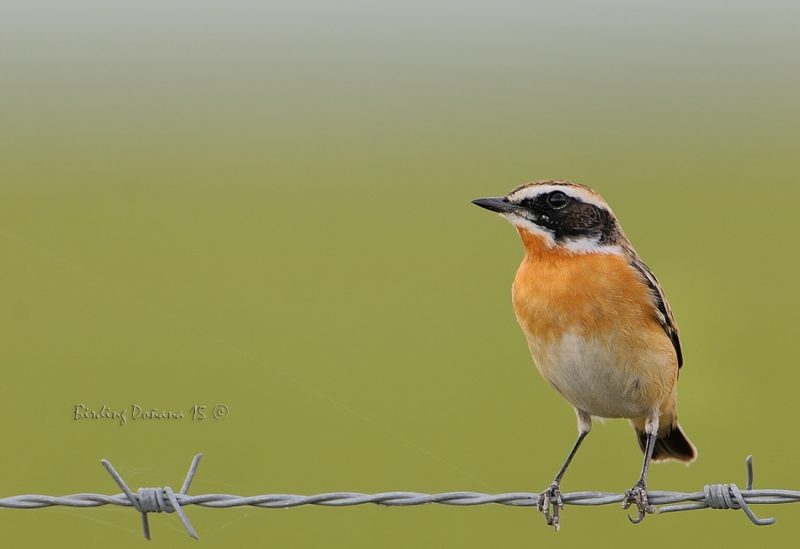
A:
[597,324]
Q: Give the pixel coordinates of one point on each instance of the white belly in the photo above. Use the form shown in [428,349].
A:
[591,375]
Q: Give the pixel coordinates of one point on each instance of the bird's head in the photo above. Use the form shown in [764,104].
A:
[560,215]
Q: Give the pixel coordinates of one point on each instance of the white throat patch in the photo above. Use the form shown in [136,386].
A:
[579,245]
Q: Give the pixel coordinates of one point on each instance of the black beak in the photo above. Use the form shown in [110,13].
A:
[498,204]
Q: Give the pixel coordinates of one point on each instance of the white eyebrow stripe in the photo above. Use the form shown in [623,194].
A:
[575,192]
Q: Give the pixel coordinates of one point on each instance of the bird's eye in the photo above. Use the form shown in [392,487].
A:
[557,200]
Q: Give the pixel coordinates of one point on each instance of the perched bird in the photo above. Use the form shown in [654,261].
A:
[597,323]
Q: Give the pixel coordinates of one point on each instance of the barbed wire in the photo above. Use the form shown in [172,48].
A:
[165,500]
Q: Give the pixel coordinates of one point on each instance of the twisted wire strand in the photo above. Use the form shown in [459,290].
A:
[696,500]
[158,500]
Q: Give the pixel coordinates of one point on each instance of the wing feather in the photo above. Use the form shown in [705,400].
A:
[663,311]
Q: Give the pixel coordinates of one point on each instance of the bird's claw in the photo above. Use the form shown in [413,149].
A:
[551,498]
[638,495]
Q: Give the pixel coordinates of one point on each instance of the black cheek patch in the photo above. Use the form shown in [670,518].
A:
[575,220]
[579,219]
[608,231]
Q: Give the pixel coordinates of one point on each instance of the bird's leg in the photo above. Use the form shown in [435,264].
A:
[638,494]
[552,496]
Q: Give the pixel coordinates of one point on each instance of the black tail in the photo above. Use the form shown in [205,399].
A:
[670,444]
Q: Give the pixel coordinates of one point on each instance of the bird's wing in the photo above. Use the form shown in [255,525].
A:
[663,312]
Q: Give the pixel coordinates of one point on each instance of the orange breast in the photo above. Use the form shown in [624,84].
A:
[555,291]
[591,326]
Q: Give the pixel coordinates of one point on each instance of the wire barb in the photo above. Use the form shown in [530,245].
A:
[726,496]
[158,500]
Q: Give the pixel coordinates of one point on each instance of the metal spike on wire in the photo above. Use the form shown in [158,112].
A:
[157,500]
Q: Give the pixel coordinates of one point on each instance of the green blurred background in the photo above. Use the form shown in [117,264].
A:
[266,205]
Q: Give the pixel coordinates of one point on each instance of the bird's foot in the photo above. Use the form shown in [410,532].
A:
[638,495]
[551,504]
